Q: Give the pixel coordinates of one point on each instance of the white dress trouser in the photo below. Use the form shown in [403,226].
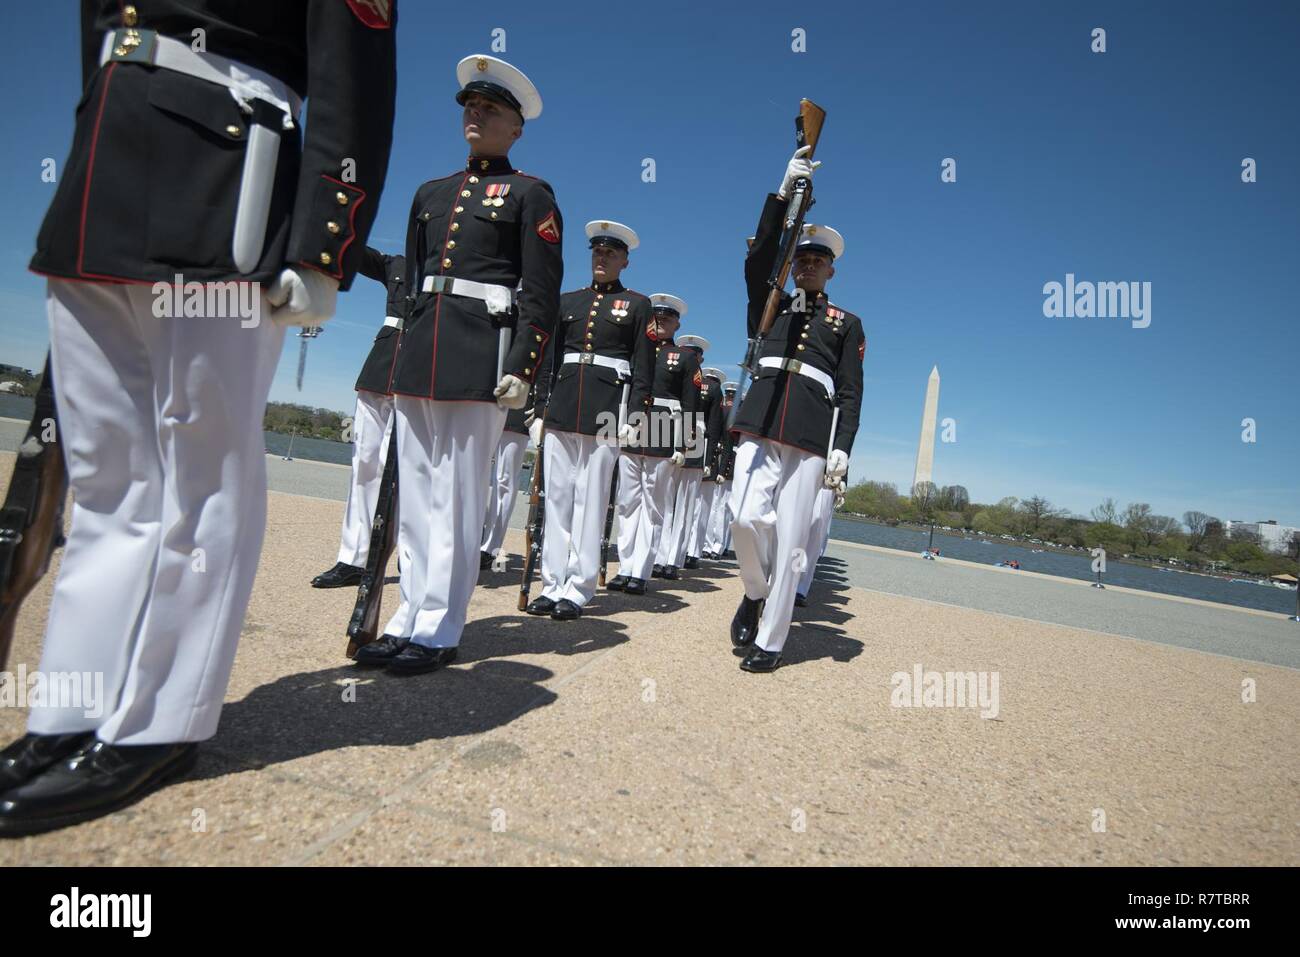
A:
[578,472]
[699,532]
[719,519]
[161,426]
[774,488]
[818,534]
[501,497]
[372,426]
[685,500]
[442,487]
[665,495]
[642,486]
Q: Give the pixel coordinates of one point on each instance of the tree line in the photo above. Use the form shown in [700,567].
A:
[1199,540]
[287,418]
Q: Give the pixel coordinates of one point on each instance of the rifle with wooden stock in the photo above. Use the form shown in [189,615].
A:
[807,131]
[363,627]
[535,527]
[31,519]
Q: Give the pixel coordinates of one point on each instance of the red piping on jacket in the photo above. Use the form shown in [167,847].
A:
[437,306]
[90,170]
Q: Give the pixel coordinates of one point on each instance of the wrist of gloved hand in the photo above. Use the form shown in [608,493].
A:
[678,459]
[511,392]
[300,296]
[535,432]
[798,168]
[627,434]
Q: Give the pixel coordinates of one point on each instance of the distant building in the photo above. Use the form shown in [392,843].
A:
[1272,536]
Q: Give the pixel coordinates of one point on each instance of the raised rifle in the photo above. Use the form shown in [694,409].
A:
[363,627]
[31,519]
[807,131]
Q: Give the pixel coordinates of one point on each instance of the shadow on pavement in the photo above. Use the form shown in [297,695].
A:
[308,713]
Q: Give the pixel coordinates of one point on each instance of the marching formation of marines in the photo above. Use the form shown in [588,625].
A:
[480,352]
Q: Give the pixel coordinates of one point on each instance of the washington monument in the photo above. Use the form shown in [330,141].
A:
[925,447]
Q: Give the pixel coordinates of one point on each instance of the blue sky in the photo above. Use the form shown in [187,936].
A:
[1121,166]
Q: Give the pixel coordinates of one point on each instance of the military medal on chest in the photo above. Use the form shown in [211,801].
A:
[620,308]
[496,193]
[672,359]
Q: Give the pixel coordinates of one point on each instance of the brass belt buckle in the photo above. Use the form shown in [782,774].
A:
[134,46]
[586,358]
[794,365]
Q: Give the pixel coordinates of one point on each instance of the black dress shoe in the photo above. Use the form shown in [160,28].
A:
[744,625]
[417,659]
[634,586]
[485,560]
[760,661]
[617,583]
[99,780]
[691,562]
[566,610]
[340,576]
[657,571]
[33,753]
[800,601]
[670,573]
[380,652]
[540,605]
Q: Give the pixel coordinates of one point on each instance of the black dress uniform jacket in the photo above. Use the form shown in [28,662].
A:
[705,420]
[726,455]
[715,425]
[151,185]
[676,376]
[377,372]
[789,407]
[515,420]
[449,345]
[608,320]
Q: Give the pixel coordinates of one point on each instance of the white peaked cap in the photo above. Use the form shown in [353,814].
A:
[496,78]
[663,300]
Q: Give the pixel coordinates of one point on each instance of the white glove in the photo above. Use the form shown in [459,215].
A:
[678,459]
[797,168]
[511,392]
[837,466]
[530,417]
[535,433]
[839,496]
[302,297]
[722,479]
[708,472]
[627,434]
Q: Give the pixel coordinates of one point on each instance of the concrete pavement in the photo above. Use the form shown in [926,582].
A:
[631,737]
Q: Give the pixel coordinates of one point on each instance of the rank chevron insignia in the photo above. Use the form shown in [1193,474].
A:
[549,228]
